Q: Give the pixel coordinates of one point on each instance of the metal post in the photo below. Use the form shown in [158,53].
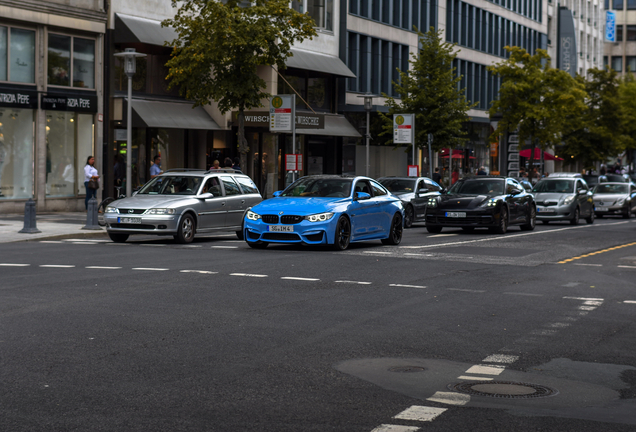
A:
[293,120]
[129,140]
[430,155]
[29,218]
[368,119]
[91,216]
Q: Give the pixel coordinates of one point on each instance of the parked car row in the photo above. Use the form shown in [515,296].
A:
[340,210]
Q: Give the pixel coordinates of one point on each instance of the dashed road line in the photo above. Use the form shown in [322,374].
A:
[466,290]
[57,265]
[395,428]
[13,265]
[419,255]
[590,265]
[597,252]
[407,286]
[248,275]
[474,378]
[150,269]
[198,271]
[450,398]
[486,369]
[584,298]
[224,247]
[353,282]
[624,266]
[377,252]
[299,278]
[630,301]
[524,294]
[501,358]
[420,413]
[102,268]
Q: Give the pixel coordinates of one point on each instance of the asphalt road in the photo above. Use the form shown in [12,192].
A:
[215,336]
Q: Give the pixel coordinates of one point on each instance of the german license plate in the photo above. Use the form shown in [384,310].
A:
[280,228]
[456,214]
[601,208]
[129,220]
[544,210]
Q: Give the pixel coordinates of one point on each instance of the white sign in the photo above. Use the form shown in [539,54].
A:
[280,113]
[403,128]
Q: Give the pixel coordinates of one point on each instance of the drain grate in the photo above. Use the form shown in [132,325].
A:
[407,369]
[504,389]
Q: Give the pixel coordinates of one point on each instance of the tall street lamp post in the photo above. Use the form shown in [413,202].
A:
[368,106]
[130,67]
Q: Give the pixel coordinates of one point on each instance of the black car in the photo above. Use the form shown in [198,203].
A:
[414,192]
[491,202]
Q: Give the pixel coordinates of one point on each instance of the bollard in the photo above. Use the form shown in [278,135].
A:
[29,218]
[91,216]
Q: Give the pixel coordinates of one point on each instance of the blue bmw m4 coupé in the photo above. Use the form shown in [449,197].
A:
[326,209]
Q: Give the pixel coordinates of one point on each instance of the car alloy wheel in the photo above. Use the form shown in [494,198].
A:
[531,221]
[395,234]
[575,219]
[409,214]
[185,233]
[343,234]
[590,219]
[502,227]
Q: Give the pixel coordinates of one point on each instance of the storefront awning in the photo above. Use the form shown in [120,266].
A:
[130,29]
[335,125]
[313,61]
[173,115]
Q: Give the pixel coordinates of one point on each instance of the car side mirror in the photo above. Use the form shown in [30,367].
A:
[205,196]
[277,193]
[361,196]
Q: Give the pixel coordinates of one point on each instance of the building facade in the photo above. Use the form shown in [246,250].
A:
[621,54]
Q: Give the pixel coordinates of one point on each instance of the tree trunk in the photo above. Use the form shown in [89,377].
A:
[242,141]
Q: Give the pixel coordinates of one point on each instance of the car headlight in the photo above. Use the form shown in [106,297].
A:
[252,216]
[489,203]
[432,202]
[160,211]
[569,199]
[111,209]
[320,217]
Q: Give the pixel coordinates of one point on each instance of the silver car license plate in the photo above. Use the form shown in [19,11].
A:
[129,220]
[280,228]
[456,214]
[601,208]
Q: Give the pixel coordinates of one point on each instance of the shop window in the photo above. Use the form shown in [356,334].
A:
[62,50]
[17,55]
[630,62]
[617,64]
[320,10]
[16,153]
[631,32]
[315,88]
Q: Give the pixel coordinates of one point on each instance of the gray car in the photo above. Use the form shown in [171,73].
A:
[414,192]
[564,197]
[184,203]
[615,199]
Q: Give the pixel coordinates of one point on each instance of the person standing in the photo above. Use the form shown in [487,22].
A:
[91,180]
[237,164]
[482,171]
[437,178]
[155,169]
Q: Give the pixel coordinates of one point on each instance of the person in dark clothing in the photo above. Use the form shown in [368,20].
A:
[227,163]
[482,171]
[437,178]
[237,163]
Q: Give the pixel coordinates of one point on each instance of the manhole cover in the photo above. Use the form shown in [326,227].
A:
[407,369]
[504,389]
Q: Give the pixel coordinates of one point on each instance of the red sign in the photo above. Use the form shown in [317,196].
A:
[413,170]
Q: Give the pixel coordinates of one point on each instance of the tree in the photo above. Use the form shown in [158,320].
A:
[430,91]
[220,46]
[627,99]
[535,99]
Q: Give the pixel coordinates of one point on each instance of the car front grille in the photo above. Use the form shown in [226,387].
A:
[280,236]
[270,219]
[132,226]
[314,237]
[289,219]
[547,204]
[131,211]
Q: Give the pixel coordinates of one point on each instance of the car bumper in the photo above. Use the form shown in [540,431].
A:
[159,224]
[472,219]
[302,232]
[555,212]
[611,210]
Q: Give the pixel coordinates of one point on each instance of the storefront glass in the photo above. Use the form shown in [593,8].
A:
[3,53]
[59,60]
[16,153]
[22,56]
[83,63]
[85,148]
[169,144]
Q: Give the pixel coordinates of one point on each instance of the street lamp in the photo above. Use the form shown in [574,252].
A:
[130,67]
[368,106]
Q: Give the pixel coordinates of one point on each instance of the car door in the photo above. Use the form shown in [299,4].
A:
[632,195]
[514,199]
[212,211]
[386,209]
[364,213]
[235,202]
[583,198]
[420,198]
[250,191]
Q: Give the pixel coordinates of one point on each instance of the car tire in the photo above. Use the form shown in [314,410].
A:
[186,229]
[468,229]
[590,220]
[502,226]
[434,229]
[118,238]
[257,245]
[395,232]
[342,236]
[409,215]
[241,234]
[576,217]
[627,215]
[531,222]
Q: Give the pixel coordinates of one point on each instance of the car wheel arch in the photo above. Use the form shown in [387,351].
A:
[194,215]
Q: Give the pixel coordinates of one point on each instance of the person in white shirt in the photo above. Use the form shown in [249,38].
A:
[90,173]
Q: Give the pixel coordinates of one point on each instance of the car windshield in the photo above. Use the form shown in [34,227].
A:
[478,187]
[172,185]
[554,186]
[319,187]
[615,178]
[398,185]
[605,188]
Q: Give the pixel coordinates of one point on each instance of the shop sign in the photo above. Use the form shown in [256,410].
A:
[610,26]
[303,120]
[494,149]
[18,98]
[52,102]
[281,113]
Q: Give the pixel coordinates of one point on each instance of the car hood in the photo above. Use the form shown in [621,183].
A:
[150,201]
[541,197]
[462,201]
[609,198]
[404,196]
[299,205]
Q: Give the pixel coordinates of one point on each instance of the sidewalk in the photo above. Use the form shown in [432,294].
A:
[52,225]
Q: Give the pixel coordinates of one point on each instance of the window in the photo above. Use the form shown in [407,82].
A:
[631,4]
[247,185]
[316,88]
[617,64]
[630,63]
[631,32]
[71,61]
[16,153]
[17,55]
[618,5]
[619,33]
[322,11]
[230,186]
[377,189]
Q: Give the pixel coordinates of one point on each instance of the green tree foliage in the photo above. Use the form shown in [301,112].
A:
[430,90]
[535,99]
[596,133]
[221,45]
[627,100]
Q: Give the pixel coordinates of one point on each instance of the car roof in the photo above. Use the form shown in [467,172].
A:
[403,177]
[565,175]
[199,172]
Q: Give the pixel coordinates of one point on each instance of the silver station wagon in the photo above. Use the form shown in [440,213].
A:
[183,203]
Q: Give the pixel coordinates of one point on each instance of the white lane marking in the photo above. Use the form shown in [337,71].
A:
[299,278]
[150,269]
[191,246]
[466,290]
[630,301]
[486,369]
[57,265]
[377,252]
[199,271]
[442,235]
[571,284]
[153,245]
[420,413]
[583,298]
[501,358]
[224,247]
[85,243]
[14,265]
[524,294]
[248,275]
[353,282]
[591,265]
[543,332]
[119,244]
[473,378]
[87,240]
[624,266]
[586,308]
[407,286]
[414,254]
[395,428]
[102,268]
[51,241]
[593,303]
[558,325]
[450,398]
